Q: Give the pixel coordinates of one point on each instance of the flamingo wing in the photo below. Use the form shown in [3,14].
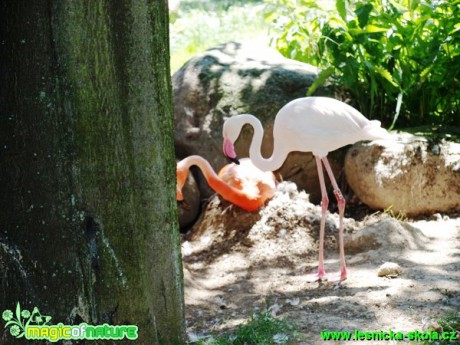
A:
[318,124]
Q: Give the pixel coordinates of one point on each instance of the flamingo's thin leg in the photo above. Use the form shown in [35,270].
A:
[341,206]
[324,204]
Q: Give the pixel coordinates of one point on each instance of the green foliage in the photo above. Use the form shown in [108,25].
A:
[450,324]
[400,216]
[200,25]
[262,329]
[393,58]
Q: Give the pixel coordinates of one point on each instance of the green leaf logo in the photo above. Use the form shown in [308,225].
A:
[23,319]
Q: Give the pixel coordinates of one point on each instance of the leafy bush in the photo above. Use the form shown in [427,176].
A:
[262,329]
[393,58]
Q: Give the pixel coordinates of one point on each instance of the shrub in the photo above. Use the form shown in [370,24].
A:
[262,329]
[397,60]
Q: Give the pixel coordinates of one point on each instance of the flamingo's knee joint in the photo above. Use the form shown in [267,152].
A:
[324,204]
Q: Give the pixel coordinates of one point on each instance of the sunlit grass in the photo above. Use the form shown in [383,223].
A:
[200,25]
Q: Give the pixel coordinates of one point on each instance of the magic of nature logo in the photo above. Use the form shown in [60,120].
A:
[36,326]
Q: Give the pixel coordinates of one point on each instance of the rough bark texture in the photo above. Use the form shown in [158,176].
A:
[88,221]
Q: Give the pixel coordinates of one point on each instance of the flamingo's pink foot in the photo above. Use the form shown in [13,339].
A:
[336,277]
[330,277]
[318,276]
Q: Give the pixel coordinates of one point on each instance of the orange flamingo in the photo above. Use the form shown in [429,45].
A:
[241,184]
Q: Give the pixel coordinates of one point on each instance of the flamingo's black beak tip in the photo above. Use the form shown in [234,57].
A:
[234,160]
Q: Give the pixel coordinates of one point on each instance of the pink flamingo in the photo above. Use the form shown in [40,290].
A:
[242,184]
[311,124]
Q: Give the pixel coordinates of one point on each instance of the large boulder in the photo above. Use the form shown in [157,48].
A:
[232,79]
[411,174]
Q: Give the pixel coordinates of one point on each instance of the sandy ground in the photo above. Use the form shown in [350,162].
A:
[236,263]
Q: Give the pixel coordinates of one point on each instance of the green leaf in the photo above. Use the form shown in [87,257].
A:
[18,313]
[368,29]
[425,72]
[363,12]
[457,28]
[322,77]
[270,16]
[373,28]
[356,31]
[385,74]
[397,110]
[341,6]
[414,4]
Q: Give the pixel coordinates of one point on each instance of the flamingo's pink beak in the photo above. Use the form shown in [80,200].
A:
[229,151]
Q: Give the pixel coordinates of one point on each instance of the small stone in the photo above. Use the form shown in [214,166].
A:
[389,269]
[437,216]
[282,233]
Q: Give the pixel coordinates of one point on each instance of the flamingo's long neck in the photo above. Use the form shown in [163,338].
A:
[214,181]
[265,164]
[229,193]
[184,166]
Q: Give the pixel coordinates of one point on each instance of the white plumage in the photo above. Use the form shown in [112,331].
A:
[310,124]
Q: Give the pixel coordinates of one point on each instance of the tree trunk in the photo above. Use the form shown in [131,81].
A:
[88,220]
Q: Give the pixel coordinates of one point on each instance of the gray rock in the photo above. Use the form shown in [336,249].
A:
[409,174]
[388,235]
[233,79]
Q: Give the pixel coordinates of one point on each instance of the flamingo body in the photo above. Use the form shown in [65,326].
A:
[241,184]
[310,124]
[320,125]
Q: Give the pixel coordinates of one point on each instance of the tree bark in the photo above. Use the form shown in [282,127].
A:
[88,220]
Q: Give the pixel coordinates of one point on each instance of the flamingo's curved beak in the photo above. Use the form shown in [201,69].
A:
[179,196]
[229,151]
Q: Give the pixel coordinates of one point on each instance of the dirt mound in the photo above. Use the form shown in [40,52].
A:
[238,262]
